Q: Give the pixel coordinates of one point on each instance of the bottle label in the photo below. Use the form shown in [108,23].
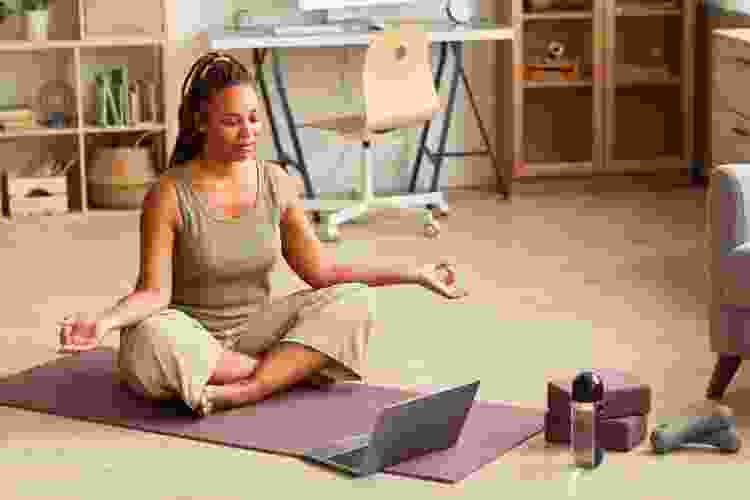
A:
[583,434]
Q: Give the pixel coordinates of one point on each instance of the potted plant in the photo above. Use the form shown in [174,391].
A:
[5,11]
[36,16]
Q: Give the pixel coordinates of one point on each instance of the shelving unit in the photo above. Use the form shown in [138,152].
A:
[631,107]
[73,56]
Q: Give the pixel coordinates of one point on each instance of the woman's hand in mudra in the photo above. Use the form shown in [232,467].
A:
[441,279]
[78,333]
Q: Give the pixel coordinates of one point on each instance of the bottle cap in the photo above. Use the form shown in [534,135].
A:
[588,388]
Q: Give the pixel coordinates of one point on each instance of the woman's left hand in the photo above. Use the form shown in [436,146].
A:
[441,279]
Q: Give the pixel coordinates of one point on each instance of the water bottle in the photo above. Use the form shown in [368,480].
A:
[587,395]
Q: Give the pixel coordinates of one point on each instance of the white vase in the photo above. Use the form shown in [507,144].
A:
[37,23]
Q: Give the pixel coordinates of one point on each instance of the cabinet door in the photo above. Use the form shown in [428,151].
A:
[648,84]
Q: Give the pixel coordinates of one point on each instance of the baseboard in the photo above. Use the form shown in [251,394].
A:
[610,182]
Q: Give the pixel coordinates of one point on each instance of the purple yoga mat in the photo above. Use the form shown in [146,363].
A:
[85,386]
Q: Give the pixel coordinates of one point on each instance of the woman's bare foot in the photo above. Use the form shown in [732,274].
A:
[223,397]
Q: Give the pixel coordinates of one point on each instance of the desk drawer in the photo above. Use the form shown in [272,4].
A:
[730,138]
[731,73]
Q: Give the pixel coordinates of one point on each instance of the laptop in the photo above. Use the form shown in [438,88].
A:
[402,431]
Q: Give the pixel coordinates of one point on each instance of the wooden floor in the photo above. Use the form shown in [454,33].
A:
[561,278]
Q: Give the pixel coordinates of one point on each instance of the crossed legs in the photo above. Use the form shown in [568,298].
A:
[240,380]
[171,354]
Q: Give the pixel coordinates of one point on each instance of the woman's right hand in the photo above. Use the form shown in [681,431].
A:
[78,333]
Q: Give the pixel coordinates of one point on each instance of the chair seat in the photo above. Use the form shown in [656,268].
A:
[350,126]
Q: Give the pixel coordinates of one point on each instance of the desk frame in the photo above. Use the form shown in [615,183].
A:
[457,77]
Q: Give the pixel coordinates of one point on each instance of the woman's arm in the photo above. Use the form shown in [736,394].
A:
[305,255]
[153,291]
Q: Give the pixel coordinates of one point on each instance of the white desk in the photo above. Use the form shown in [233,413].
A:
[447,36]
[221,39]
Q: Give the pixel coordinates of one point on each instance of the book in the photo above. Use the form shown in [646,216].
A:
[16,113]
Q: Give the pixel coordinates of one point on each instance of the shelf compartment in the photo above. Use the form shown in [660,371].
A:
[558,125]
[143,63]
[105,18]
[27,81]
[60,13]
[647,123]
[577,42]
[22,155]
[648,50]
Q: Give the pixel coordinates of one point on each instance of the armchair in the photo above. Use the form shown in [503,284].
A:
[728,207]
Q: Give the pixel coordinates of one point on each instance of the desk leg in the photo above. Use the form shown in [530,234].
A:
[426,129]
[437,157]
[258,57]
[299,164]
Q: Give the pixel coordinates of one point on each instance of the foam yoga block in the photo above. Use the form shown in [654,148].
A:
[614,434]
[667,437]
[624,395]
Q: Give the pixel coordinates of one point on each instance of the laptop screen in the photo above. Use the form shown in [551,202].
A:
[418,426]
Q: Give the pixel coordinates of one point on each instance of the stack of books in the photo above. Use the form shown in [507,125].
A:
[16,118]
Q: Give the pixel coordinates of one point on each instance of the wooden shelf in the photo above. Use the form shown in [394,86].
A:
[533,84]
[633,9]
[131,41]
[37,132]
[558,15]
[143,127]
[657,82]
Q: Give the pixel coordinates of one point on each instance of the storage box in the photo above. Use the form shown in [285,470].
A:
[552,71]
[34,195]
[624,395]
[614,434]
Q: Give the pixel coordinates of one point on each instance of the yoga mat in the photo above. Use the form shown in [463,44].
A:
[86,386]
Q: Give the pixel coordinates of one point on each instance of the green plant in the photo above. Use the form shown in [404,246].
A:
[5,11]
[31,5]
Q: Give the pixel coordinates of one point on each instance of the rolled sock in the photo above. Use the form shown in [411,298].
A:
[727,440]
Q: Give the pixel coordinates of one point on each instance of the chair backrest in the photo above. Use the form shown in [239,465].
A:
[398,86]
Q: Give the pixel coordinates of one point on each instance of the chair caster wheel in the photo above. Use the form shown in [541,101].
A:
[443,211]
[328,233]
[432,230]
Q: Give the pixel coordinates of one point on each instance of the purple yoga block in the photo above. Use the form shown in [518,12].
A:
[624,395]
[615,434]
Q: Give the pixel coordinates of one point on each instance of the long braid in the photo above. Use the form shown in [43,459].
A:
[211,73]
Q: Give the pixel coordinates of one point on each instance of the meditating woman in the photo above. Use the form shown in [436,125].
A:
[200,324]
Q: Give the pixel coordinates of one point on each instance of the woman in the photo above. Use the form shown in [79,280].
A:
[200,324]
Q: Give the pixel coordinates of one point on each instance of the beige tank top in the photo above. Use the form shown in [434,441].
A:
[222,264]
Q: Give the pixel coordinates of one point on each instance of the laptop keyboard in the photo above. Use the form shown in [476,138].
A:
[350,458]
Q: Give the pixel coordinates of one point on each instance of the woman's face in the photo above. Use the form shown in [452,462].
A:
[233,124]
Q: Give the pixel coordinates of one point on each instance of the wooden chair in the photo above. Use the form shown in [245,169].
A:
[399,92]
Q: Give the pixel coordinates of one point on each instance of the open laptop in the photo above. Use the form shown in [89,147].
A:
[402,431]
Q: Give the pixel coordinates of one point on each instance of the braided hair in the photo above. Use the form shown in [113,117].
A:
[210,74]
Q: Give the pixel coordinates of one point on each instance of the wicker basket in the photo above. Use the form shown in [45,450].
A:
[120,177]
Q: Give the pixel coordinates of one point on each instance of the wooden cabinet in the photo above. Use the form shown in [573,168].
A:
[631,107]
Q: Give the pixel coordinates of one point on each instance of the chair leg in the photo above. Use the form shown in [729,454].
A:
[724,370]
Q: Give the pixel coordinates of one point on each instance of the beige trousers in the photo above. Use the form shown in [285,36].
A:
[171,354]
